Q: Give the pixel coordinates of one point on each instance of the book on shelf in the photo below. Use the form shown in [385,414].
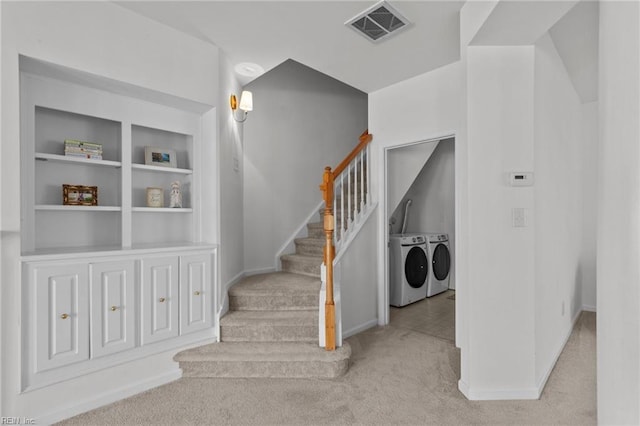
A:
[82,151]
[86,155]
[76,146]
[82,143]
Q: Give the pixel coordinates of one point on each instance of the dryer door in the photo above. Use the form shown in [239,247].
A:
[416,267]
[441,262]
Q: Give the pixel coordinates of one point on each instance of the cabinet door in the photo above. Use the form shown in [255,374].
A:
[159,298]
[61,315]
[195,292]
[113,307]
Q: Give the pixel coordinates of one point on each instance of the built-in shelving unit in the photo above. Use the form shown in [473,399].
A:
[55,110]
[118,281]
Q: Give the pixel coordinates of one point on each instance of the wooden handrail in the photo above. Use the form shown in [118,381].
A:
[365,138]
[327,187]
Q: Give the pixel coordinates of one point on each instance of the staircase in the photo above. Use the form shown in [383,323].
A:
[271,329]
[308,256]
[274,320]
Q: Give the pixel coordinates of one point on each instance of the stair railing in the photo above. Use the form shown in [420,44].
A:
[349,179]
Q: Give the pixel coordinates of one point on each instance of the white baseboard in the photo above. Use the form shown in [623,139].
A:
[545,377]
[109,397]
[496,395]
[588,308]
[259,271]
[360,328]
[525,393]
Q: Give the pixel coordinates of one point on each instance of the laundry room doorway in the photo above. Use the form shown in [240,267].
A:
[420,212]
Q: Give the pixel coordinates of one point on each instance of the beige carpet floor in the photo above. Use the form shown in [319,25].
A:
[397,376]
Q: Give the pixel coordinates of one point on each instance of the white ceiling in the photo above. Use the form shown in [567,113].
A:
[313,33]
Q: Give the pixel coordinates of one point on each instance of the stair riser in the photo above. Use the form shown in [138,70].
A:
[269,333]
[275,369]
[276,302]
[312,270]
[314,231]
[308,249]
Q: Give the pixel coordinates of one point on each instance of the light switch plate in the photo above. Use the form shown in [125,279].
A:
[518,217]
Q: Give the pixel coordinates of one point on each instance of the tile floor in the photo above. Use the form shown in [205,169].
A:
[434,316]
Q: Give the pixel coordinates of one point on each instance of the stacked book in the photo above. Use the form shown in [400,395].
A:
[90,150]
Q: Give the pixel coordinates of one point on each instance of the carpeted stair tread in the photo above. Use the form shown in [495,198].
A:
[270,317]
[282,360]
[310,246]
[263,351]
[269,326]
[277,283]
[316,229]
[301,264]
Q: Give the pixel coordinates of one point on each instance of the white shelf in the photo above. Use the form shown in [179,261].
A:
[77,208]
[161,210]
[161,169]
[68,159]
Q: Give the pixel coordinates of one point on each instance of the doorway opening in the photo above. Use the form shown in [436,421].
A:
[420,250]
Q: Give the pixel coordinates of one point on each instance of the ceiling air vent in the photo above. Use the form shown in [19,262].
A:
[378,22]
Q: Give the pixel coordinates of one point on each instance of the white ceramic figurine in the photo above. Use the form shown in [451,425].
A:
[176,195]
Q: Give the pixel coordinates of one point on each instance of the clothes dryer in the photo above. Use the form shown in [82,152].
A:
[408,268]
[440,262]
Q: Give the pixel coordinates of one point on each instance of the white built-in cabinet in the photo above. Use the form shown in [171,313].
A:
[113,307]
[111,283]
[160,290]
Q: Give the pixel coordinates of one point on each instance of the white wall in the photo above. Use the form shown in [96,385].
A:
[558,212]
[618,202]
[358,285]
[433,202]
[231,185]
[302,121]
[589,152]
[403,166]
[106,40]
[500,131]
[437,111]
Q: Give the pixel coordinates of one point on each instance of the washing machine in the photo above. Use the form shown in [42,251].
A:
[408,268]
[439,262]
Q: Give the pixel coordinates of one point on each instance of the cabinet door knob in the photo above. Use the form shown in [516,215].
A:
[64,316]
[114,308]
[162,299]
[196,293]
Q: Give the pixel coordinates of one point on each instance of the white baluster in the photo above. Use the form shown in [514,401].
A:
[362,183]
[349,218]
[368,156]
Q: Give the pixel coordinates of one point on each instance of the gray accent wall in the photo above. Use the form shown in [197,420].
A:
[302,121]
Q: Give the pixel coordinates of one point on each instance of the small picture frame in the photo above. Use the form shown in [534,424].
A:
[79,195]
[163,157]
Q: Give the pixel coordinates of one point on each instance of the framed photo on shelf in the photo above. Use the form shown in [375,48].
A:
[154,156]
[79,195]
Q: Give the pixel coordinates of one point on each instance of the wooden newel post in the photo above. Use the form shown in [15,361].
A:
[329,307]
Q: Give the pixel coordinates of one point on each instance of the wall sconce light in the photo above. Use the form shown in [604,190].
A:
[246,105]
